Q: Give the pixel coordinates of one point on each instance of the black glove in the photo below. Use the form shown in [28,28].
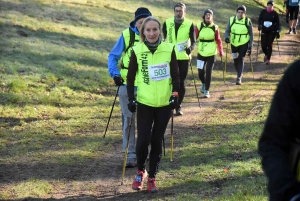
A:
[173,102]
[132,105]
[249,51]
[277,35]
[227,40]
[118,80]
[259,27]
[188,50]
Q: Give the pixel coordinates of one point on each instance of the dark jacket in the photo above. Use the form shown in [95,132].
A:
[281,129]
[266,16]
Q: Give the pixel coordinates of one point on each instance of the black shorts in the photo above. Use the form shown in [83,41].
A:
[293,11]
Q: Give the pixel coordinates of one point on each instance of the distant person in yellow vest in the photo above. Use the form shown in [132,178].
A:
[240,34]
[180,31]
[154,67]
[209,43]
[121,52]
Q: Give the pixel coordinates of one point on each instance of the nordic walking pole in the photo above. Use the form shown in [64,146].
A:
[111,111]
[258,44]
[126,152]
[224,69]
[194,82]
[278,47]
[163,140]
[251,66]
[172,137]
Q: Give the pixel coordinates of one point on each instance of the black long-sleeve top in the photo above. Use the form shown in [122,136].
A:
[273,17]
[281,128]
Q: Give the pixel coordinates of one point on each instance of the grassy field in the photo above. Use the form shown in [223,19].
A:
[56,96]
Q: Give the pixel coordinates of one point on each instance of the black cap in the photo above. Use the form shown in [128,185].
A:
[141,13]
[270,2]
[208,11]
[241,7]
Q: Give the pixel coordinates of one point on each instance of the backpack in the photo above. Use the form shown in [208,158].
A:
[202,26]
[212,27]
[234,19]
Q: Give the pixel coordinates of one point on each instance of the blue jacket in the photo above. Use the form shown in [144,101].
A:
[291,3]
[116,53]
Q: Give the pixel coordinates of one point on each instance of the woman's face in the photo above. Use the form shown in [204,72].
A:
[269,6]
[151,31]
[208,17]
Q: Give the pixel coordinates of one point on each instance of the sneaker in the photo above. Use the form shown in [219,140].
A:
[290,31]
[265,58]
[202,88]
[130,163]
[294,31]
[151,185]
[178,112]
[268,62]
[206,94]
[238,81]
[139,180]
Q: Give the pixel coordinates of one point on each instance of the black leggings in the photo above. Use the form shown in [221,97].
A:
[183,70]
[151,126]
[205,73]
[239,62]
[267,40]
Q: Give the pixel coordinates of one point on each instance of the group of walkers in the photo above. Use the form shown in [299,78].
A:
[154,61]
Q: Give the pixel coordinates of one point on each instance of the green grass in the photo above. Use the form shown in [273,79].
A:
[56,97]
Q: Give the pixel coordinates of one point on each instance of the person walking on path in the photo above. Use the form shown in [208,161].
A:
[268,24]
[281,131]
[121,51]
[179,31]
[293,10]
[154,67]
[209,42]
[240,34]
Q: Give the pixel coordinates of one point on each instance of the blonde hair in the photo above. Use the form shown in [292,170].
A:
[150,18]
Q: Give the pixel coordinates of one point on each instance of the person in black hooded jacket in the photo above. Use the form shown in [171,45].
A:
[281,130]
[268,23]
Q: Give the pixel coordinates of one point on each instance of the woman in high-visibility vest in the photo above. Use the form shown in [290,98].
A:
[240,34]
[209,42]
[153,66]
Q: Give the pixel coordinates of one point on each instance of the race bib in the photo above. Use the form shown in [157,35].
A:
[159,71]
[181,46]
[267,24]
[294,1]
[235,55]
[200,64]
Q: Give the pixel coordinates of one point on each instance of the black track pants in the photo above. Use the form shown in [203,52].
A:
[183,70]
[239,62]
[267,40]
[205,74]
[151,124]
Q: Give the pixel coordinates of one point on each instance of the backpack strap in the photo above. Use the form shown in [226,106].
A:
[131,40]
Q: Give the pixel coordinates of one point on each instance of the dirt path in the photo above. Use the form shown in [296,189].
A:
[110,188]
